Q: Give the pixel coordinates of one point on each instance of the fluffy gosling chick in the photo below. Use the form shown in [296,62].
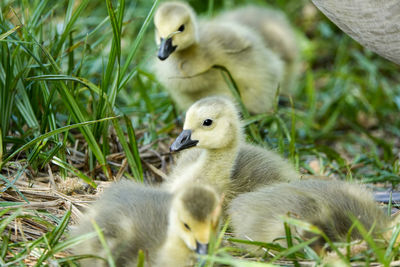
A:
[328,205]
[189,51]
[169,228]
[277,33]
[217,153]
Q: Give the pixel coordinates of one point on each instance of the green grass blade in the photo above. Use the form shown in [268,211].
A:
[294,249]
[11,184]
[4,247]
[1,147]
[236,262]
[69,23]
[54,237]
[134,146]
[6,34]
[134,48]
[140,258]
[269,246]
[313,229]
[392,243]
[367,237]
[115,27]
[9,219]
[236,94]
[103,242]
[62,77]
[128,152]
[71,242]
[289,242]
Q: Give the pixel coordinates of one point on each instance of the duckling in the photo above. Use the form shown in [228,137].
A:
[329,205]
[277,33]
[191,49]
[217,154]
[168,227]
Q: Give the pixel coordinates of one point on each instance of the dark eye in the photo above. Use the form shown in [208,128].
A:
[186,226]
[181,28]
[207,122]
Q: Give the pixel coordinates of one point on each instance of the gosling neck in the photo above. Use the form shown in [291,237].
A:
[218,165]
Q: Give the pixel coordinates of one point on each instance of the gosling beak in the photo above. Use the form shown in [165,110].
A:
[166,48]
[183,141]
[201,248]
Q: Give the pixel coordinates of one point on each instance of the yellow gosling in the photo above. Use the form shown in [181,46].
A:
[190,49]
[215,152]
[169,228]
[329,205]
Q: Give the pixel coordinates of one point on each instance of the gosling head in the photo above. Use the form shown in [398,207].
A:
[210,123]
[194,216]
[175,28]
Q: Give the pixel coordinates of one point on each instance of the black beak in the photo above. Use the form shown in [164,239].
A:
[166,48]
[201,249]
[183,141]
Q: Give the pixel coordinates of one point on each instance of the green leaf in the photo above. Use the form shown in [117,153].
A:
[103,242]
[140,258]
[135,45]
[128,152]
[6,34]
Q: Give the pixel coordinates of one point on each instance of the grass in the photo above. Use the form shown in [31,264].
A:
[78,97]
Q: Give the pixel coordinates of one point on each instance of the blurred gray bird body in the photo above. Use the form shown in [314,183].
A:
[373,23]
[256,166]
[221,157]
[189,73]
[329,205]
[133,216]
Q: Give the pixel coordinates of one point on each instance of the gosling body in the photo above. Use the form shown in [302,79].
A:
[217,154]
[329,205]
[134,217]
[277,34]
[189,71]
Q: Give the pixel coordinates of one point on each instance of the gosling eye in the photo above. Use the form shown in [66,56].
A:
[187,226]
[181,28]
[207,122]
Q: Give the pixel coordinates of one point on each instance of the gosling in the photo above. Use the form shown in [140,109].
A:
[190,50]
[217,154]
[169,228]
[329,205]
[277,33]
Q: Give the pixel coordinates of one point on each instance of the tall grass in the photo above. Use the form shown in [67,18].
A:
[46,71]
